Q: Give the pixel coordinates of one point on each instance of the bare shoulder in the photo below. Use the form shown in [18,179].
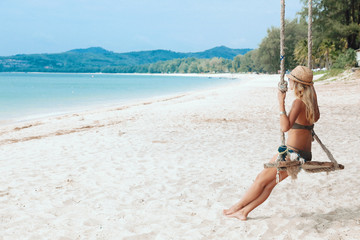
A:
[297,103]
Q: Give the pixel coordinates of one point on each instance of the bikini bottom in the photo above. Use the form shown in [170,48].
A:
[307,156]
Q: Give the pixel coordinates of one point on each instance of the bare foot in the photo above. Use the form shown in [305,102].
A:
[239,215]
[233,209]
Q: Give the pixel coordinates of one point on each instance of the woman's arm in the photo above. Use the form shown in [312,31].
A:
[316,106]
[287,121]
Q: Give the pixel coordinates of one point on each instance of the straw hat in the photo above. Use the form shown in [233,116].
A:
[302,75]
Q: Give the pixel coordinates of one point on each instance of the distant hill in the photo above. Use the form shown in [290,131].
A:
[95,50]
[222,51]
[95,59]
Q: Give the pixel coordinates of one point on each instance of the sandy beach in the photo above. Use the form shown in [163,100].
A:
[167,167]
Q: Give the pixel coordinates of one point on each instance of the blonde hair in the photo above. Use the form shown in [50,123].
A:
[306,94]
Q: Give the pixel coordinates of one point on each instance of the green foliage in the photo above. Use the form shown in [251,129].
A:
[346,59]
[301,52]
[268,57]
[248,62]
[336,28]
[325,53]
[269,51]
[188,65]
[331,73]
[336,20]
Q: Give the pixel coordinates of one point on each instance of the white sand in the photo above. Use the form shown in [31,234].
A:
[166,168]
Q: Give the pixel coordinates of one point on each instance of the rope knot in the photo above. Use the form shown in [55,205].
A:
[283,86]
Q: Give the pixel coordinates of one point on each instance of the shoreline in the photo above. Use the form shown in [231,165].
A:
[165,169]
[122,103]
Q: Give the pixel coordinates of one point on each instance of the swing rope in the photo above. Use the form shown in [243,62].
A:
[282,84]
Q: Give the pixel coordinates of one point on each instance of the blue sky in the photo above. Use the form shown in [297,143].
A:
[52,26]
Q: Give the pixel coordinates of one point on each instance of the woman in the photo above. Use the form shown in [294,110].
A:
[299,122]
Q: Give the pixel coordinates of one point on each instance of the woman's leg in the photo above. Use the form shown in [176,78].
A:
[263,181]
[243,213]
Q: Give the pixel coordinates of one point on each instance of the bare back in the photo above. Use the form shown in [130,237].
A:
[300,138]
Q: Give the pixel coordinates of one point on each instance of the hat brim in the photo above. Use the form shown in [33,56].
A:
[298,80]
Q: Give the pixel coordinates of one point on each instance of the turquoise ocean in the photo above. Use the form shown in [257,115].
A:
[32,95]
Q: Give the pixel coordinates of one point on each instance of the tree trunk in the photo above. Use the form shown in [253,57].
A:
[327,66]
[358,15]
[353,16]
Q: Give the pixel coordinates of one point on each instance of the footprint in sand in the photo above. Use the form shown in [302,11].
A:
[3,193]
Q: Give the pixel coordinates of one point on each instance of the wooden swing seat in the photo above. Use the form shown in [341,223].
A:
[312,166]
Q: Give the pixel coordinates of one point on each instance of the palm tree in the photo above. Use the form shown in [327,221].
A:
[326,49]
[301,52]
